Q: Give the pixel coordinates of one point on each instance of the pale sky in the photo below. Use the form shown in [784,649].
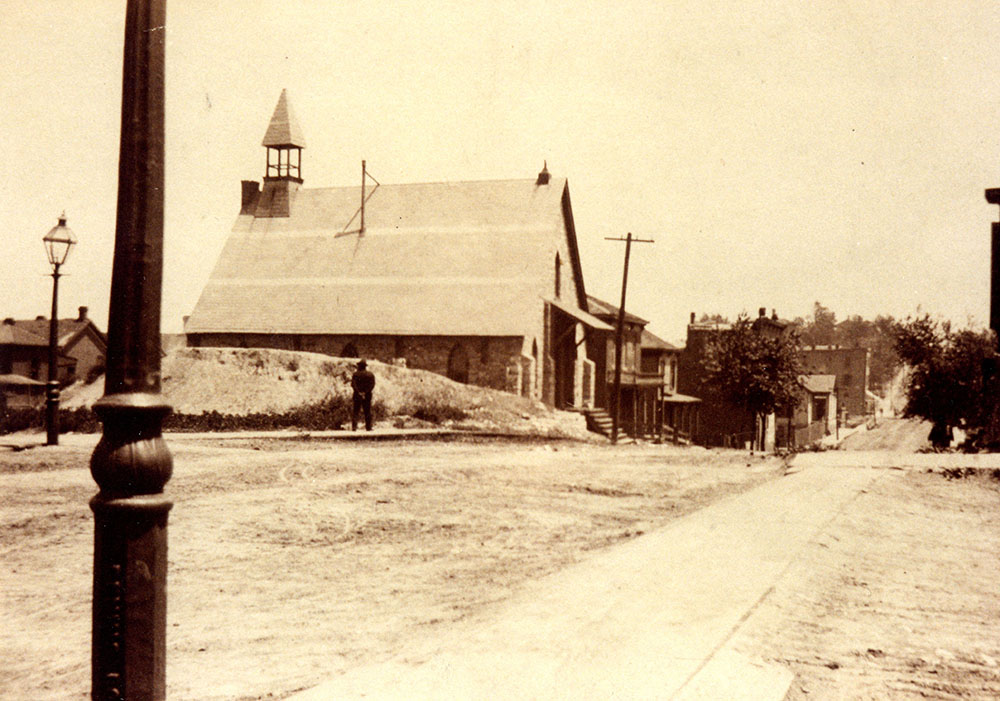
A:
[778,153]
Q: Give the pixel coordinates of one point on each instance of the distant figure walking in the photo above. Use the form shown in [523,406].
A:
[363,384]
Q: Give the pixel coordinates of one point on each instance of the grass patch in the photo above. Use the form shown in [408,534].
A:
[330,414]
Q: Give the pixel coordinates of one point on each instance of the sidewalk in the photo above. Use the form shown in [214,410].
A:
[650,619]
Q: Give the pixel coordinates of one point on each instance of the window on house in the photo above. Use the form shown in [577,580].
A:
[819,408]
[558,276]
[458,364]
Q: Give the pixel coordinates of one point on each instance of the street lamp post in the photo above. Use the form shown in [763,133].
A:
[57,242]
[131,463]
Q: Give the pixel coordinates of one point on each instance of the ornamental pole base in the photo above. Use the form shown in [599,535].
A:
[52,414]
[130,598]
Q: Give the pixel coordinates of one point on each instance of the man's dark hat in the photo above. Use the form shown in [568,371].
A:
[362,365]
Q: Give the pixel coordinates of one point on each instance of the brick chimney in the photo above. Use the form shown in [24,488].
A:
[762,312]
[251,193]
[82,316]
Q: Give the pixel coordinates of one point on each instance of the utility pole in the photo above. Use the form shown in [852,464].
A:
[619,333]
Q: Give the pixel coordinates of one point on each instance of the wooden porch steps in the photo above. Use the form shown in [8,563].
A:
[598,420]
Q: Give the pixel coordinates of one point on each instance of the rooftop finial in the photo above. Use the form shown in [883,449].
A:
[543,175]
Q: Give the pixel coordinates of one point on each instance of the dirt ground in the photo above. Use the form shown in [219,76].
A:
[900,435]
[897,599]
[291,561]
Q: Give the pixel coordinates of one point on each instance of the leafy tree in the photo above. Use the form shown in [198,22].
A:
[822,330]
[877,336]
[752,370]
[885,361]
[946,384]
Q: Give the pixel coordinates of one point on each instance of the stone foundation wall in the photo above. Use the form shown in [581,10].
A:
[488,357]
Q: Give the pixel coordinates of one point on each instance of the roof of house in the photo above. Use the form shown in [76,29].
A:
[650,340]
[14,333]
[709,326]
[283,130]
[66,329]
[10,380]
[835,348]
[600,308]
[818,384]
[459,258]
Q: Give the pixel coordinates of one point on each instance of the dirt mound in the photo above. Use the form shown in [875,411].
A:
[245,381]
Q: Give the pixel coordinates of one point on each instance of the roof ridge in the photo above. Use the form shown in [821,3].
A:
[429,182]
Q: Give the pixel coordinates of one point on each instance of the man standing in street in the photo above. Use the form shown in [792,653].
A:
[363,383]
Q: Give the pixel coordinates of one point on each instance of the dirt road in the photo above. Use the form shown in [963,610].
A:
[291,561]
[294,561]
[899,435]
[896,599]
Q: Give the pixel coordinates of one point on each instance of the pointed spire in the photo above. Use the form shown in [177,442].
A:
[284,130]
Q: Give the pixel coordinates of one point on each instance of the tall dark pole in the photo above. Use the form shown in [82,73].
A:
[131,463]
[52,388]
[990,370]
[616,387]
[993,197]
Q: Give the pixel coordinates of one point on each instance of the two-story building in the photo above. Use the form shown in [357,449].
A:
[24,353]
[723,423]
[650,405]
[850,366]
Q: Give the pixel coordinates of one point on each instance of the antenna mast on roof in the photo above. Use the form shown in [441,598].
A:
[365,196]
[364,182]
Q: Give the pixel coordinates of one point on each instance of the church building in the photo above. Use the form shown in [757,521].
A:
[480,281]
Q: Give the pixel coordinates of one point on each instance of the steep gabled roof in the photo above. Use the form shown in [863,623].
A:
[284,128]
[465,258]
